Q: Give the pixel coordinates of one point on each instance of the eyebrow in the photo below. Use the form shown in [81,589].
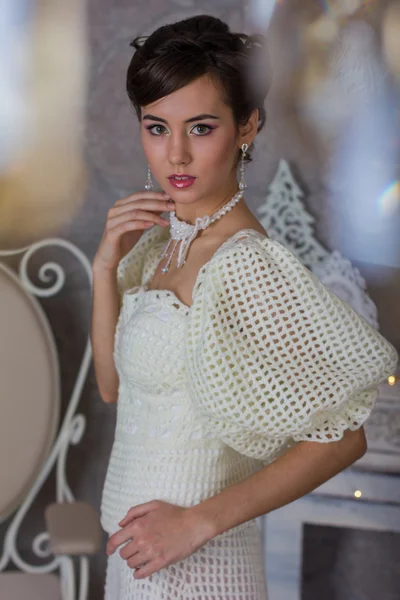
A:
[191,120]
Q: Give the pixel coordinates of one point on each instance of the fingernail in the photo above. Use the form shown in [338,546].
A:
[165,194]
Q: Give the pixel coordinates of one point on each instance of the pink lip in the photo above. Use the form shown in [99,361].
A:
[180,184]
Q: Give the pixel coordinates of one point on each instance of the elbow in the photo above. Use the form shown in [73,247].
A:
[363,447]
[351,448]
[358,443]
[359,451]
[109,397]
[107,386]
[362,443]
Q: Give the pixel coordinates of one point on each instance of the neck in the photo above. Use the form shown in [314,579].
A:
[205,206]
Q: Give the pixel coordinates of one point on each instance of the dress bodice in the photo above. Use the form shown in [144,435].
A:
[149,341]
[153,404]
[162,448]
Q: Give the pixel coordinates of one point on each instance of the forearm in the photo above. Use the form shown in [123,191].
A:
[105,310]
[300,470]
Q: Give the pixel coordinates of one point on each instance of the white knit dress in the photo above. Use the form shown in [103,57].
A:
[265,356]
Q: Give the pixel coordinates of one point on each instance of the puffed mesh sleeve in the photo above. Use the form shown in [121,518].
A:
[275,357]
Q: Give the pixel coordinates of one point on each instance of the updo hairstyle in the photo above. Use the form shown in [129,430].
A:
[176,54]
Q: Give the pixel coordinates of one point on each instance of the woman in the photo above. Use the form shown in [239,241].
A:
[242,382]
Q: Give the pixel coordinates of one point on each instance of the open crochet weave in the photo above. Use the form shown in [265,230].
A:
[273,356]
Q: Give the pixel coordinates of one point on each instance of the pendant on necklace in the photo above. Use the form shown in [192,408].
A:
[185,233]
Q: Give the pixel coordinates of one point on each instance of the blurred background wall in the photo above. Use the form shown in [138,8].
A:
[311,136]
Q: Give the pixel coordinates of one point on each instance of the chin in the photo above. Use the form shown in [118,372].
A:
[185,195]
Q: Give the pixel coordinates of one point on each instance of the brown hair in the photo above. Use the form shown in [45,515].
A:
[178,53]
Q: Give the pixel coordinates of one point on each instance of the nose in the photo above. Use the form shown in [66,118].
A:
[178,150]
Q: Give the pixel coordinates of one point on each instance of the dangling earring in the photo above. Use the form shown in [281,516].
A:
[242,183]
[149,184]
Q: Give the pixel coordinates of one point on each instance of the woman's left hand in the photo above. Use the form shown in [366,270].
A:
[158,534]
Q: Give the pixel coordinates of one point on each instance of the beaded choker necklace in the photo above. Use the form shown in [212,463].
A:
[186,233]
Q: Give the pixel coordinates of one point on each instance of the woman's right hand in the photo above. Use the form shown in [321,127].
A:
[126,222]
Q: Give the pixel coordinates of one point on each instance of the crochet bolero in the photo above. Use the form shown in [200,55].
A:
[273,356]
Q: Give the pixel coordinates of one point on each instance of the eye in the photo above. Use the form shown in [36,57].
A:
[155,129]
[203,129]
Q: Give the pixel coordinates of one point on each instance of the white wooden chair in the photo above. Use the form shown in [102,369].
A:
[33,441]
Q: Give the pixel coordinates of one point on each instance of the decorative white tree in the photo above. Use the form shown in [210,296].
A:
[286,220]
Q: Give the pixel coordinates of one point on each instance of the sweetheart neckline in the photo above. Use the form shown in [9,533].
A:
[140,290]
[143,289]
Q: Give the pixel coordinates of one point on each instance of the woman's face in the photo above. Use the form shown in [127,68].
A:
[192,132]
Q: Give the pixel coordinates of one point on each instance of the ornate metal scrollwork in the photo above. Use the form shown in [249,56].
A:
[70,432]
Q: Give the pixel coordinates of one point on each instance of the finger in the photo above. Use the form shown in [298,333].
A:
[116,232]
[134,215]
[118,538]
[131,551]
[131,514]
[141,195]
[138,561]
[150,205]
[139,510]
[148,569]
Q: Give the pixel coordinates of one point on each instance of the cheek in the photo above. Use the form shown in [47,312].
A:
[217,151]
[146,143]
[153,149]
